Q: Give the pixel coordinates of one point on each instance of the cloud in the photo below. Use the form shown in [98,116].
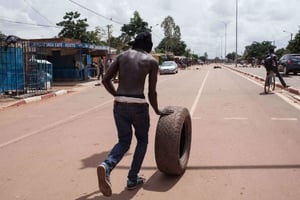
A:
[201,22]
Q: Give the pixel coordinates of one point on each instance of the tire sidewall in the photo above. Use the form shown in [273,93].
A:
[173,141]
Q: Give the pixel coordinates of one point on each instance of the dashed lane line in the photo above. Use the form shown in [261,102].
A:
[286,99]
[284,119]
[199,94]
[235,118]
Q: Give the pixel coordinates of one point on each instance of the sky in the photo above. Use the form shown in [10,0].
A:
[206,26]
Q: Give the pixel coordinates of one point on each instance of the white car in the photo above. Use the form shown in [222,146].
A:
[168,67]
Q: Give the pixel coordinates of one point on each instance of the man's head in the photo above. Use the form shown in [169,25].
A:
[142,41]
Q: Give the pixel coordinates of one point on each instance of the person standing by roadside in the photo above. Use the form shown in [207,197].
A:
[101,69]
[109,62]
[131,108]
[271,63]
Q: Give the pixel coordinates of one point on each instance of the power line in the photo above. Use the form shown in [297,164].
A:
[35,10]
[31,24]
[107,18]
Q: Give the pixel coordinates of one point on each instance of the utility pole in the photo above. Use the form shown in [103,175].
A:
[108,34]
[225,39]
[236,32]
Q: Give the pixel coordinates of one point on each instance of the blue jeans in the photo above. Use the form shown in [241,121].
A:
[127,116]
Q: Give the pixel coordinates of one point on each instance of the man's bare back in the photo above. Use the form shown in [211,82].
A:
[133,67]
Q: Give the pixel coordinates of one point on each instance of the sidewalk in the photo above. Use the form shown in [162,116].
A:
[58,89]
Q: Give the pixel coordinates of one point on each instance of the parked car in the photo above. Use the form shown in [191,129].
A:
[289,63]
[168,67]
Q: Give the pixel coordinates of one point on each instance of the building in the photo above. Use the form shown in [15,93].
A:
[31,66]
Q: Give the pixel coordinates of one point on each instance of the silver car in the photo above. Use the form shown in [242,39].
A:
[168,67]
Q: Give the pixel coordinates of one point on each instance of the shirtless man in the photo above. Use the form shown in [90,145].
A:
[131,108]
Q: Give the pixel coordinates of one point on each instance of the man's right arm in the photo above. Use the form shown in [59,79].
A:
[152,94]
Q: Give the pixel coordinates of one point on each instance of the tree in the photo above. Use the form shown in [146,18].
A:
[180,48]
[96,36]
[172,34]
[257,50]
[280,52]
[172,40]
[135,26]
[231,56]
[73,27]
[294,45]
[187,53]
[118,43]
[205,56]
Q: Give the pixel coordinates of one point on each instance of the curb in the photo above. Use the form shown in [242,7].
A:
[291,90]
[37,98]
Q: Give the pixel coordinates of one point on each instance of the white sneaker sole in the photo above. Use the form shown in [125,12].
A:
[103,183]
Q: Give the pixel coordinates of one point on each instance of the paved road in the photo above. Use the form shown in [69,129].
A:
[245,144]
[291,79]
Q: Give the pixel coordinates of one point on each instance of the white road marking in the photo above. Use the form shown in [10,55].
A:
[53,125]
[199,94]
[284,119]
[289,101]
[235,118]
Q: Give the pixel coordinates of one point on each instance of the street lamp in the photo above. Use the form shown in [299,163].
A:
[290,33]
[236,31]
[225,38]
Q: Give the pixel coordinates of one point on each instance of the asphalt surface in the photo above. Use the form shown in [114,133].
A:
[293,81]
[245,144]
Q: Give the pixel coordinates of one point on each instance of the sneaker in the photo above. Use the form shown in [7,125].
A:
[134,184]
[103,181]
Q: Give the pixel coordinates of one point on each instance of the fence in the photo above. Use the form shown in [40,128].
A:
[24,69]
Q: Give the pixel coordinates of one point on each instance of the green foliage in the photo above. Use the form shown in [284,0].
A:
[172,40]
[257,50]
[294,45]
[187,53]
[76,28]
[135,26]
[73,27]
[231,56]
[119,43]
[95,37]
[280,52]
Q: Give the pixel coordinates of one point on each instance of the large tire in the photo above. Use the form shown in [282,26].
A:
[173,141]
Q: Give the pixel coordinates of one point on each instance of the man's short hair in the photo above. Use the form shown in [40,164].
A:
[143,41]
